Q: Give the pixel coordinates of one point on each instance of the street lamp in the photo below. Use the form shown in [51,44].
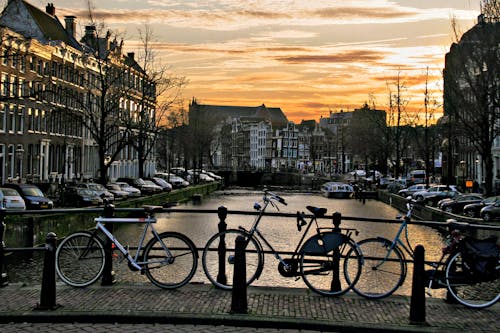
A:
[19,155]
[462,168]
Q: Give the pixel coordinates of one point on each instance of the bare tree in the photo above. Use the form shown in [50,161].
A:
[472,92]
[163,89]
[397,113]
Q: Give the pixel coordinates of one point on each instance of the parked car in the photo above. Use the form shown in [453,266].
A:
[434,198]
[457,204]
[10,199]
[133,192]
[176,181]
[198,176]
[117,191]
[213,175]
[395,187]
[80,197]
[490,212]
[411,189]
[33,197]
[473,210]
[431,191]
[166,186]
[146,189]
[99,189]
[153,188]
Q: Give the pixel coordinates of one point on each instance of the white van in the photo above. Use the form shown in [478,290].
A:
[418,176]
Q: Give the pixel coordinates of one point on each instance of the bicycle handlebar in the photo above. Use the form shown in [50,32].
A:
[275,197]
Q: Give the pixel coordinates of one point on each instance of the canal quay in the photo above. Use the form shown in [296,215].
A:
[275,303]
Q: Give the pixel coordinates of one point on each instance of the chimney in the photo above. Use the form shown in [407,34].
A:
[70,25]
[50,9]
[131,55]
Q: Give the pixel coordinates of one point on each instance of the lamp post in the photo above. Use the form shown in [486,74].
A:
[462,169]
[19,157]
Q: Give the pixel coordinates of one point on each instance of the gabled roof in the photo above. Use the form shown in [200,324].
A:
[221,112]
[48,25]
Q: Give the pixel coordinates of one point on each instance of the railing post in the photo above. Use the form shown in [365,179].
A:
[417,302]
[335,284]
[239,292]
[221,250]
[48,290]
[108,275]
[4,279]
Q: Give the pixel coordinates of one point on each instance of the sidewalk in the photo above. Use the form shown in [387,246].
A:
[201,304]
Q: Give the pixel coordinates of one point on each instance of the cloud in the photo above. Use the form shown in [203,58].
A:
[344,57]
[238,15]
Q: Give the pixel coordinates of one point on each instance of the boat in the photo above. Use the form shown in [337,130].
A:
[337,190]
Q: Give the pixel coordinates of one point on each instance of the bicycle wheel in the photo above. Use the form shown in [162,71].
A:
[172,262]
[481,294]
[383,271]
[80,259]
[218,258]
[321,271]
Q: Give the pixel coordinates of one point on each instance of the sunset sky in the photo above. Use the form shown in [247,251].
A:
[305,56]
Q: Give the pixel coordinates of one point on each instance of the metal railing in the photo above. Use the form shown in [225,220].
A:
[48,289]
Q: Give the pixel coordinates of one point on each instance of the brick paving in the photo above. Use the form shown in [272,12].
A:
[127,307]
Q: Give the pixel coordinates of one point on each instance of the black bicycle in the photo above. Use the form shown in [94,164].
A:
[319,259]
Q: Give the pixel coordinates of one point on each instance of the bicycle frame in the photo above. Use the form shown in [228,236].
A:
[254,230]
[134,261]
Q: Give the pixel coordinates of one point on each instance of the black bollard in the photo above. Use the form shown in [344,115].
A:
[48,291]
[4,279]
[335,284]
[239,293]
[108,275]
[417,303]
[221,250]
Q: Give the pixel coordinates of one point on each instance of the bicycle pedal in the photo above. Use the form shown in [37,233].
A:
[297,278]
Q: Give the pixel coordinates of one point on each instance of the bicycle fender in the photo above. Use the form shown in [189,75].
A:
[322,243]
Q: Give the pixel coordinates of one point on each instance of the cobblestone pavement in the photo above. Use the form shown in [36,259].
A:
[202,308]
[125,328]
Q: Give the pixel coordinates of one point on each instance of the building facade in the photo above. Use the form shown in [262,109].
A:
[46,79]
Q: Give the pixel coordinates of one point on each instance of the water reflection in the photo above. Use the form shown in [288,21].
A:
[280,232]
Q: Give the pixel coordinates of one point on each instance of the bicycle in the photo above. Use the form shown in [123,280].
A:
[316,260]
[169,259]
[385,268]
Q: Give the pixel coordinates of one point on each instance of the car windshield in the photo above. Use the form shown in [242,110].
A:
[96,187]
[114,187]
[10,192]
[85,192]
[32,191]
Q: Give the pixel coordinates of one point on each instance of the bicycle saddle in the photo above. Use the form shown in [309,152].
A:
[318,212]
[152,209]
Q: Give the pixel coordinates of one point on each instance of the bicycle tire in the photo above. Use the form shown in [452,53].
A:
[477,295]
[321,273]
[80,259]
[222,277]
[170,272]
[382,272]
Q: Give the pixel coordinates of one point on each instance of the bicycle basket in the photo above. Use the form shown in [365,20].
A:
[480,258]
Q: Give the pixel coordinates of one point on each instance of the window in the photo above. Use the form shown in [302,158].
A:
[22,64]
[11,122]
[20,119]
[31,120]
[2,118]
[5,57]
[5,85]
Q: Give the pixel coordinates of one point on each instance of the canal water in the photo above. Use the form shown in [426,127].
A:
[282,233]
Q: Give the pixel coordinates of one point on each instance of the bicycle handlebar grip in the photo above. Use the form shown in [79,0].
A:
[281,200]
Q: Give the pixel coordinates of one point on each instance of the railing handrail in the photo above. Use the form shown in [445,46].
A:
[98,210]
